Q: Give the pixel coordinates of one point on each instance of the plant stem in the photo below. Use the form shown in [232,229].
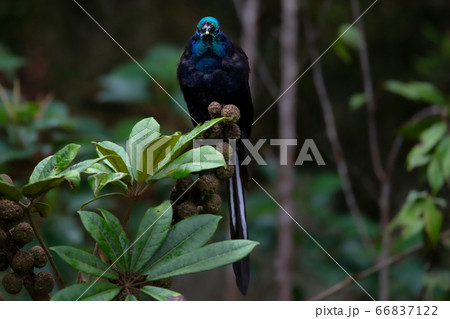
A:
[128,215]
[44,246]
[380,172]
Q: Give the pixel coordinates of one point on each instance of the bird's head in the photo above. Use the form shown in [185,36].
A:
[208,27]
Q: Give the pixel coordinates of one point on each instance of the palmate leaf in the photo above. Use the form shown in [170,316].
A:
[208,257]
[106,237]
[162,294]
[195,160]
[99,291]
[187,235]
[152,232]
[85,262]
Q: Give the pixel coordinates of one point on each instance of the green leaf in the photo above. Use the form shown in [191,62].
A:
[435,175]
[99,291]
[350,35]
[85,165]
[9,62]
[118,159]
[73,178]
[100,180]
[98,168]
[43,209]
[55,164]
[106,237]
[152,231]
[41,186]
[185,140]
[342,52]
[195,160]
[42,169]
[85,262]
[9,191]
[131,298]
[142,135]
[64,157]
[187,235]
[433,221]
[410,218]
[357,100]
[156,155]
[116,226]
[202,259]
[416,91]
[162,294]
[443,155]
[418,156]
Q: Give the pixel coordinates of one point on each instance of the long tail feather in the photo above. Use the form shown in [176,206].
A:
[238,224]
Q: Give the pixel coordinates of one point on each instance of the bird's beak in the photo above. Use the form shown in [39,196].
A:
[207,33]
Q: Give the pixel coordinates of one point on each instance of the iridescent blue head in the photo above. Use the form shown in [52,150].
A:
[208,26]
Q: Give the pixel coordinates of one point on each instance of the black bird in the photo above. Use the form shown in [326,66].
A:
[213,68]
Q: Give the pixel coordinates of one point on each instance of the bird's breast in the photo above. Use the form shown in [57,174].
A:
[207,64]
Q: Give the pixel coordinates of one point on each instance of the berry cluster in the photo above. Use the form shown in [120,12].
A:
[14,235]
[202,198]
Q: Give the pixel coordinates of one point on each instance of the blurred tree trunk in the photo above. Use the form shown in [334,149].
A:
[249,40]
[287,130]
[383,175]
[248,12]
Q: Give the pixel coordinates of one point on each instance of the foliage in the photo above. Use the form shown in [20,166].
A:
[150,157]
[159,251]
[424,211]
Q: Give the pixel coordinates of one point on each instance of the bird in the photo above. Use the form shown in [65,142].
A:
[213,68]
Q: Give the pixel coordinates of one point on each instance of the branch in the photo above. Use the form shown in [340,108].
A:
[332,134]
[381,174]
[44,246]
[374,269]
